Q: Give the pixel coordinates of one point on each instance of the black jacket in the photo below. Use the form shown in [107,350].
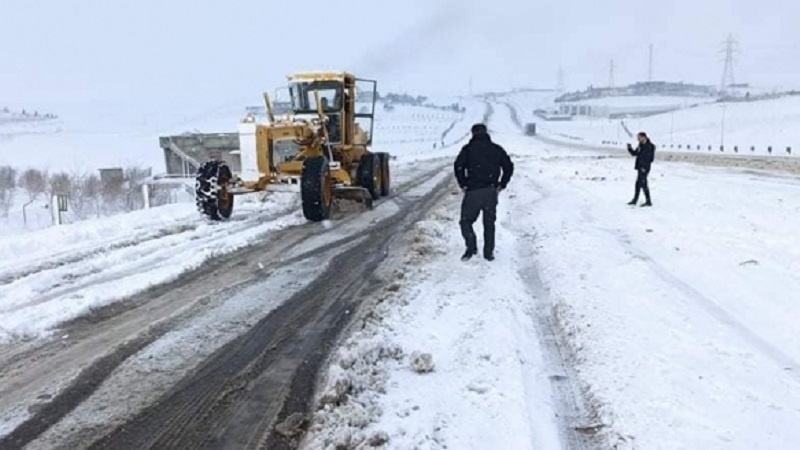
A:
[645,154]
[480,162]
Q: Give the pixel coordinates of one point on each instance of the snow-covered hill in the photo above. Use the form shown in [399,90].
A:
[758,124]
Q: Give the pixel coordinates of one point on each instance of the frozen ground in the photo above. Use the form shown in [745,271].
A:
[679,320]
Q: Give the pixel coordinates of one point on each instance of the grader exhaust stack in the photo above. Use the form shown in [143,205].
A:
[319,150]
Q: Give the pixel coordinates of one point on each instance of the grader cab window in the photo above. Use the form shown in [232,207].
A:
[366,96]
[330,94]
[304,99]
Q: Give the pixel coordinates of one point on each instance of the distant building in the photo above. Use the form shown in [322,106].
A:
[114,175]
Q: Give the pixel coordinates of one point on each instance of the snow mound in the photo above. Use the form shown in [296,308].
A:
[422,362]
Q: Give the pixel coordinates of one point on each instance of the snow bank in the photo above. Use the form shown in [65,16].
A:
[447,358]
[64,272]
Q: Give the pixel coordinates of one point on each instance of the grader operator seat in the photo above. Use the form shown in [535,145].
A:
[334,124]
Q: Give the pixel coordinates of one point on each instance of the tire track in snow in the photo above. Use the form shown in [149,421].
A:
[102,268]
[93,375]
[711,307]
[269,374]
[580,428]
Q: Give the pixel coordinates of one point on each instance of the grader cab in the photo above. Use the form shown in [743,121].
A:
[320,149]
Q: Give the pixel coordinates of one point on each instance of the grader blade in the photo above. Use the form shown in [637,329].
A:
[354,193]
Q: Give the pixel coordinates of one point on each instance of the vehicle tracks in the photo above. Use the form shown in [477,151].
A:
[122,329]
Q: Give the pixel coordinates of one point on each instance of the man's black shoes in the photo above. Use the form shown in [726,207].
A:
[488,256]
[468,255]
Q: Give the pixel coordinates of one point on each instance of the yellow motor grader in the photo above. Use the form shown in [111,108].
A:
[321,149]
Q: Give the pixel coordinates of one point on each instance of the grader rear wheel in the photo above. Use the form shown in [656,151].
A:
[370,174]
[316,189]
[386,175]
[212,196]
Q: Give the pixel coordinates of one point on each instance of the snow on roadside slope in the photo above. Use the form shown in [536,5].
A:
[488,387]
[78,268]
[682,318]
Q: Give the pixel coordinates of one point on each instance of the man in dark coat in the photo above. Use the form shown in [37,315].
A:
[478,171]
[645,153]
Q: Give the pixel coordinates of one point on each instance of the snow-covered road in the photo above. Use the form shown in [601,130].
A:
[679,321]
[598,326]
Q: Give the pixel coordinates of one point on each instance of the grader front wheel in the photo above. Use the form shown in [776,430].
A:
[316,189]
[212,195]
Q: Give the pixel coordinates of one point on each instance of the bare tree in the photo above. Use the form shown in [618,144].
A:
[87,191]
[8,186]
[135,177]
[34,182]
[59,183]
[82,192]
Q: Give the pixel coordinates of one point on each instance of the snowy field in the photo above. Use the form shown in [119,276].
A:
[679,320]
[759,124]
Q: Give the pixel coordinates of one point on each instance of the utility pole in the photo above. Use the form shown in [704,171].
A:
[650,65]
[722,129]
[730,51]
[611,74]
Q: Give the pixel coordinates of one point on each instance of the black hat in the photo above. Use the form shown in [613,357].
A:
[479,128]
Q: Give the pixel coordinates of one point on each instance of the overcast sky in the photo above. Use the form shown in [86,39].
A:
[149,53]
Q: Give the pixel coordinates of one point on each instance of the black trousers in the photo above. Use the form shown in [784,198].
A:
[479,201]
[641,185]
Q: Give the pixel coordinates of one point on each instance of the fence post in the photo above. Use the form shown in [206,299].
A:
[58,203]
[789,150]
[146,195]
[769,149]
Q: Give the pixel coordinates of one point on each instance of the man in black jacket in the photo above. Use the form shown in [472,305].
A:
[645,153]
[478,171]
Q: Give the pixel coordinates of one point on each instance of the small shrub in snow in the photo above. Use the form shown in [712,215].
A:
[8,185]
[34,182]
